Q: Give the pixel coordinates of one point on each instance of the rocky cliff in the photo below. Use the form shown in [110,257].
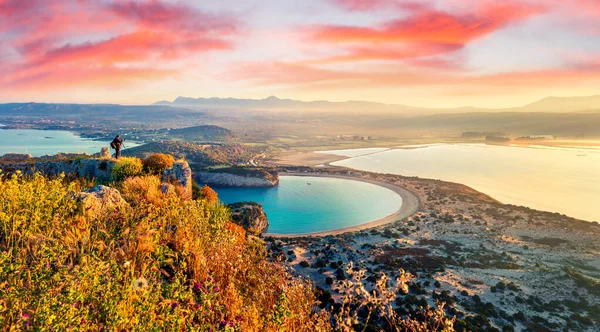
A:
[238,177]
[249,215]
[89,168]
[180,175]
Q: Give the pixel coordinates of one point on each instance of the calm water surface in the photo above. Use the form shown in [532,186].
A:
[294,207]
[42,142]
[564,180]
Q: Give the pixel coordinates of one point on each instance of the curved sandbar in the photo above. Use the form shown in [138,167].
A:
[410,205]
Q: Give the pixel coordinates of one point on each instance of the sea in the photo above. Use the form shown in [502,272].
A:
[301,205]
[43,142]
[565,180]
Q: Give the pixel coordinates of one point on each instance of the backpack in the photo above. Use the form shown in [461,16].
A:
[113,145]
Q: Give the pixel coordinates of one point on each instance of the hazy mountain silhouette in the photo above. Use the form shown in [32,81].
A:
[273,102]
[565,104]
[549,104]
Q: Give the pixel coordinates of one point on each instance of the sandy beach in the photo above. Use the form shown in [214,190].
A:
[410,205]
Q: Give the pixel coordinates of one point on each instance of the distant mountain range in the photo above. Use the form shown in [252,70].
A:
[275,103]
[550,105]
[565,104]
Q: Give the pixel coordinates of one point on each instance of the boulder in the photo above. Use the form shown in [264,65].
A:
[167,188]
[100,200]
[105,152]
[180,175]
[249,215]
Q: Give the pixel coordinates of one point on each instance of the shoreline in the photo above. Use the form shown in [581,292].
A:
[573,208]
[410,205]
[317,157]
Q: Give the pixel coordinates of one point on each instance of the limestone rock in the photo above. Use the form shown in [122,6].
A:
[16,156]
[99,169]
[167,188]
[105,152]
[180,175]
[249,215]
[100,200]
[239,178]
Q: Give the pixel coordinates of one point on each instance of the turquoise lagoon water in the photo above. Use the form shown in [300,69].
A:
[563,180]
[294,207]
[42,142]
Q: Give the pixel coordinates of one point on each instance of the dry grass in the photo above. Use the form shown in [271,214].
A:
[178,265]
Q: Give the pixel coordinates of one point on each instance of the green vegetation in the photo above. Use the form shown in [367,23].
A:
[201,133]
[199,155]
[591,285]
[157,163]
[126,167]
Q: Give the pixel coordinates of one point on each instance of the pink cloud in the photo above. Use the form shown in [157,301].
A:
[427,36]
[95,39]
[306,77]
[369,5]
[432,25]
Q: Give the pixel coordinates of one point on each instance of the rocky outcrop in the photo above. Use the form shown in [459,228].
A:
[101,200]
[16,157]
[249,215]
[105,152]
[238,177]
[88,168]
[180,175]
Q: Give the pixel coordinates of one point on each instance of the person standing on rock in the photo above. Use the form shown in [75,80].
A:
[116,144]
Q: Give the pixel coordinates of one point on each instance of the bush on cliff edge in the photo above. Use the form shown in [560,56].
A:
[126,167]
[157,163]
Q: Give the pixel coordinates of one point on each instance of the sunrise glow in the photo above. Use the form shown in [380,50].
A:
[431,53]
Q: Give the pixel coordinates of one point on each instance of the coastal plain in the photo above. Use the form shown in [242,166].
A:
[495,265]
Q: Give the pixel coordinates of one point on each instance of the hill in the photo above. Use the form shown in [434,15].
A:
[199,155]
[550,105]
[274,103]
[201,133]
[557,124]
[88,112]
[564,104]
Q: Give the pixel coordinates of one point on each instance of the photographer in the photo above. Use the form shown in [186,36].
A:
[116,144]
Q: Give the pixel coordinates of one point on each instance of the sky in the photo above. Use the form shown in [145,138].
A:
[431,53]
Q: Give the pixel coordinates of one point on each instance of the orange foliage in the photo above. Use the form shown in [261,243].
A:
[238,231]
[209,195]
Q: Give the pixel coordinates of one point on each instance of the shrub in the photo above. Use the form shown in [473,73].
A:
[145,190]
[359,307]
[508,328]
[196,191]
[179,266]
[209,195]
[157,163]
[126,167]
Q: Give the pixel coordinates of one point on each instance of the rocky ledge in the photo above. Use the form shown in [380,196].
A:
[238,177]
[101,200]
[249,215]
